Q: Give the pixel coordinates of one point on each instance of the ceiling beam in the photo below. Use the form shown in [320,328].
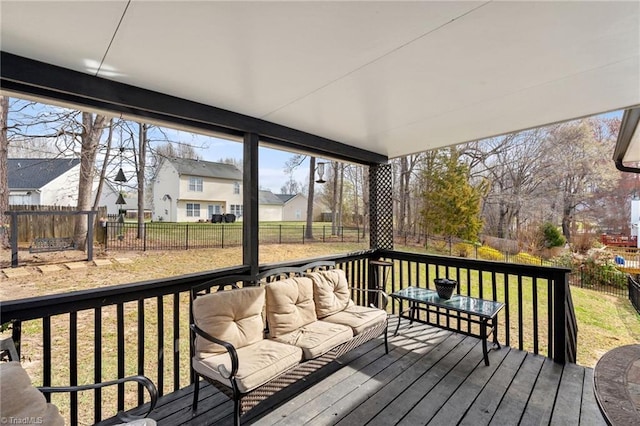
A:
[45,81]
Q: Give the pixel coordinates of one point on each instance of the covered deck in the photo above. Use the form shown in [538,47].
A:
[352,81]
[430,376]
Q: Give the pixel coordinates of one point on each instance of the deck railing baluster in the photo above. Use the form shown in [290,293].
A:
[534,291]
[97,363]
[141,336]
[121,351]
[160,351]
[73,364]
[520,315]
[176,341]
[46,353]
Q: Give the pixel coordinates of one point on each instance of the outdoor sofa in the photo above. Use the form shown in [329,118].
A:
[280,327]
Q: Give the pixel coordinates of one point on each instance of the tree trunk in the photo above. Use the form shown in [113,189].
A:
[402,207]
[90,140]
[4,182]
[142,155]
[566,223]
[103,171]
[308,233]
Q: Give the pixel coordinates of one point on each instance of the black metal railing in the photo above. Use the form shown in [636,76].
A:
[184,236]
[142,328]
[101,334]
[634,292]
[538,316]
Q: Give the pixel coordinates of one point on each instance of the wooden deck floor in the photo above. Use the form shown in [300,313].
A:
[430,376]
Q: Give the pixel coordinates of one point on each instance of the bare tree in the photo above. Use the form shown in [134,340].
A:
[581,169]
[92,128]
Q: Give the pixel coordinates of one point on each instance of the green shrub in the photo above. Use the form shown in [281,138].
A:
[552,236]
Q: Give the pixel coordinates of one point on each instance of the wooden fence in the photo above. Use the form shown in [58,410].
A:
[35,226]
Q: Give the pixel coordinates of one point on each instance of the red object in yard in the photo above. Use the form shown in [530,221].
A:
[619,240]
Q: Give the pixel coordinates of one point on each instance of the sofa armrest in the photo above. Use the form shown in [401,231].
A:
[228,346]
[384,298]
[143,380]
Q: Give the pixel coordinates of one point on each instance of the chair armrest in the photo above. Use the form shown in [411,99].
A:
[148,384]
[228,346]
[381,294]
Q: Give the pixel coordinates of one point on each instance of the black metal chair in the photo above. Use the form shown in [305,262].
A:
[8,352]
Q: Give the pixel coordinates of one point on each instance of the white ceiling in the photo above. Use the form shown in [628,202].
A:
[390,77]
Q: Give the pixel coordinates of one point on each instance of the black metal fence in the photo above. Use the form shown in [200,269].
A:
[634,292]
[184,236]
[601,279]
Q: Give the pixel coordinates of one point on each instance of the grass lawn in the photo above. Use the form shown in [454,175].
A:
[604,321]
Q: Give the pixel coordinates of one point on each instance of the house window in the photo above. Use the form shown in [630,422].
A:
[298,214]
[214,209]
[236,209]
[193,210]
[236,187]
[195,184]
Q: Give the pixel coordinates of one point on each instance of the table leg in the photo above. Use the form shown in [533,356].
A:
[399,317]
[496,344]
[483,336]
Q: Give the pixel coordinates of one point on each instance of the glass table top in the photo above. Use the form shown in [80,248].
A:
[485,308]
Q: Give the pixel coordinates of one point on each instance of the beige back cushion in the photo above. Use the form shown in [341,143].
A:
[20,400]
[330,291]
[234,316]
[289,305]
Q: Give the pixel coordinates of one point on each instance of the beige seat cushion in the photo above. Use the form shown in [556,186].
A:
[359,318]
[330,292]
[20,400]
[234,316]
[258,363]
[289,305]
[317,338]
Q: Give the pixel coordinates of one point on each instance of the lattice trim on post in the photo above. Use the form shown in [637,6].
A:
[381,207]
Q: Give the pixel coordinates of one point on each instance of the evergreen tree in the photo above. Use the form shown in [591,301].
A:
[452,203]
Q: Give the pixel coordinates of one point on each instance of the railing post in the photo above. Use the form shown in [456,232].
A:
[14,239]
[562,319]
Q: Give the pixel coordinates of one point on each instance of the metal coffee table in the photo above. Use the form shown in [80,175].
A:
[462,310]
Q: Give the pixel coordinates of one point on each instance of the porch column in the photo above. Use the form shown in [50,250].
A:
[250,203]
[380,207]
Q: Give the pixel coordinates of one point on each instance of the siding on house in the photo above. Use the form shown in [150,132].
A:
[178,198]
[270,207]
[51,182]
[294,207]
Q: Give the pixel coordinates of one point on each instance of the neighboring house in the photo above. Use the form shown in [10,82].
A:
[51,182]
[294,207]
[269,207]
[187,190]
